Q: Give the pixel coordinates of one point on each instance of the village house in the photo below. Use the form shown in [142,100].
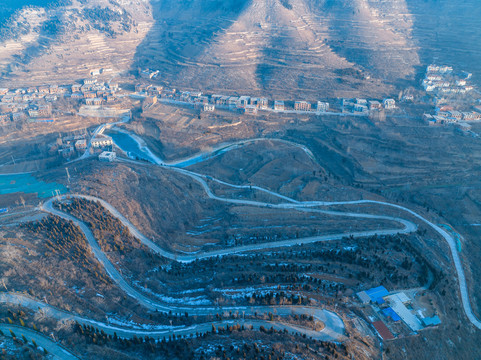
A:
[224,100]
[89,81]
[375,105]
[18,116]
[44,89]
[360,108]
[27,97]
[53,89]
[302,106]
[81,145]
[209,107]
[49,97]
[279,105]
[254,101]
[62,90]
[201,100]
[148,74]
[32,90]
[389,104]
[470,116]
[90,95]
[93,101]
[322,106]
[233,101]
[361,101]
[243,101]
[220,100]
[40,111]
[139,88]
[155,90]
[5,118]
[185,96]
[150,100]
[66,151]
[168,93]
[114,86]
[250,109]
[214,98]
[455,115]
[101,140]
[7,99]
[263,103]
[107,156]
[3,91]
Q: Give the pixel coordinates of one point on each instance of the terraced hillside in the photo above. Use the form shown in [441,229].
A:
[70,40]
[274,46]
[288,48]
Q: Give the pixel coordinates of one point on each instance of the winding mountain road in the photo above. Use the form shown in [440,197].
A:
[53,348]
[334,327]
[463,287]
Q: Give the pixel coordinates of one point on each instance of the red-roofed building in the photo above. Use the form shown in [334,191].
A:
[382,329]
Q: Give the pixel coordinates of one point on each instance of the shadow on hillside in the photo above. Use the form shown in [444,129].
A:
[448,32]
[182,31]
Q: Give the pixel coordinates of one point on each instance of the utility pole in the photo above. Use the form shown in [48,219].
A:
[68,175]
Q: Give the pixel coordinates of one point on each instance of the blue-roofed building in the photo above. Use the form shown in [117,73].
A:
[431,321]
[389,312]
[376,294]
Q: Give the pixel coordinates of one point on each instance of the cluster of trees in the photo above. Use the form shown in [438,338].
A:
[109,232]
[66,239]
[29,349]
[277,298]
[102,19]
[172,346]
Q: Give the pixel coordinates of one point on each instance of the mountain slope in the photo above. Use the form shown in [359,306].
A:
[278,48]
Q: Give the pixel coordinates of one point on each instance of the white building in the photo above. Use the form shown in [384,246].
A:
[322,106]
[107,156]
[389,104]
[243,101]
[209,107]
[101,141]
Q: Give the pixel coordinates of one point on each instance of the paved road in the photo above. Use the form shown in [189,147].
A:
[407,227]
[334,326]
[292,204]
[205,155]
[333,329]
[99,130]
[58,351]
[445,235]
